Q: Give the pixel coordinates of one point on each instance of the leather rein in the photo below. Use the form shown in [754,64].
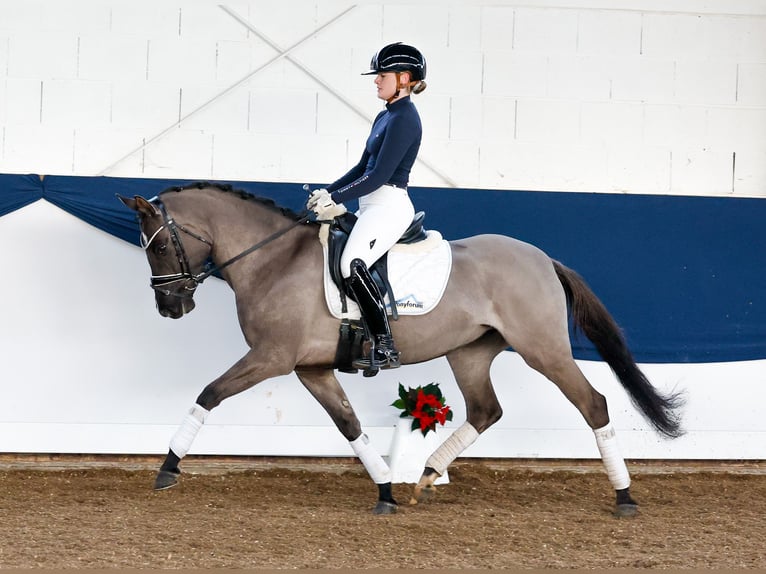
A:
[192,280]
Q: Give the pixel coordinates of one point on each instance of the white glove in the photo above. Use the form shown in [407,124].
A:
[322,204]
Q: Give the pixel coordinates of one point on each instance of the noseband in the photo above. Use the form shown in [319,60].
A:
[160,283]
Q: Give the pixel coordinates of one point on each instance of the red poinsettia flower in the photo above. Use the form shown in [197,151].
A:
[425,405]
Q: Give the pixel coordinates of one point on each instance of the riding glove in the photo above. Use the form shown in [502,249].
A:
[322,204]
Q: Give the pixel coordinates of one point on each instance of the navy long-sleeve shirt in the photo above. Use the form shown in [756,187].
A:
[388,156]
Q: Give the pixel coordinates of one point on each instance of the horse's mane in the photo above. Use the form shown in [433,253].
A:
[266,202]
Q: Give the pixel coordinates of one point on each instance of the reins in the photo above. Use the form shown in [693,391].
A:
[158,282]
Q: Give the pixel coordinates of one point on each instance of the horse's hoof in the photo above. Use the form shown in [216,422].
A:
[383,507]
[626,510]
[423,493]
[166,479]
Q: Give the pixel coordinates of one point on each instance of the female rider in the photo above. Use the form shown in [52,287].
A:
[379,182]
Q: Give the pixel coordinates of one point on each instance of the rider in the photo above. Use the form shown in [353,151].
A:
[379,181]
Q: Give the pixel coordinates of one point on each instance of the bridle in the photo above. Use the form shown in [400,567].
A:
[191,280]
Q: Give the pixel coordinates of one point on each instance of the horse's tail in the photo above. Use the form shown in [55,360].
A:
[591,316]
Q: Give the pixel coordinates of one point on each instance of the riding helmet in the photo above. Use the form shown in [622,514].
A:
[399,57]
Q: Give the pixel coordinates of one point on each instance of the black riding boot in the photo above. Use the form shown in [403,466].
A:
[383,354]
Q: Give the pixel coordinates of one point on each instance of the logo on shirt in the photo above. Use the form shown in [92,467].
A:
[372,243]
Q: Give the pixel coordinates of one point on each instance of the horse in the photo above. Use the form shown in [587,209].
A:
[502,293]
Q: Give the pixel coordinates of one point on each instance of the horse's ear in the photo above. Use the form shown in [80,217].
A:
[139,204]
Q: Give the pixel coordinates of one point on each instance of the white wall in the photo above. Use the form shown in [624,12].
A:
[644,97]
[589,95]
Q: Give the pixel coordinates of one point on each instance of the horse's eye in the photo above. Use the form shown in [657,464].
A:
[161,248]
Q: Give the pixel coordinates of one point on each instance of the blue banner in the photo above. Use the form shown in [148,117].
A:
[685,277]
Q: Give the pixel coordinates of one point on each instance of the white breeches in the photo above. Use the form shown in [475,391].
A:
[384,215]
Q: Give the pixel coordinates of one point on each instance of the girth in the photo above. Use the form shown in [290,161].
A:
[340,229]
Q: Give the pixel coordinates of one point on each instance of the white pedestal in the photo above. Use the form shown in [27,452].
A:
[409,452]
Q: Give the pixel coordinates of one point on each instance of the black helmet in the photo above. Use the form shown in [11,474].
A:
[399,57]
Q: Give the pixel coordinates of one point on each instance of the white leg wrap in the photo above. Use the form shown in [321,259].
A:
[193,421]
[374,464]
[451,448]
[610,454]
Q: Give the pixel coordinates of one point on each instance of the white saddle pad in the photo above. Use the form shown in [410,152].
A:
[418,274]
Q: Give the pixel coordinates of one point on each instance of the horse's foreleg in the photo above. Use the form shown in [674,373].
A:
[470,365]
[326,389]
[249,370]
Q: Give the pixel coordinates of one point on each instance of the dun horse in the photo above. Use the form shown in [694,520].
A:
[501,293]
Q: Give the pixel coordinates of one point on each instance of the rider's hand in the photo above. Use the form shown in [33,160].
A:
[322,204]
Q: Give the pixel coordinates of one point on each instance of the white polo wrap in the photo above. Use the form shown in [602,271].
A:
[451,448]
[193,421]
[374,464]
[606,439]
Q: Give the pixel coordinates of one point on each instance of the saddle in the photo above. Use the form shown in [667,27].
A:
[351,334]
[339,231]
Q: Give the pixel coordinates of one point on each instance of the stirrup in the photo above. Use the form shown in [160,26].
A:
[382,356]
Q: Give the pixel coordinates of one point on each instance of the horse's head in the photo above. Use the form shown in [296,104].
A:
[172,262]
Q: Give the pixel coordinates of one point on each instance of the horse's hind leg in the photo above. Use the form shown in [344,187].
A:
[561,368]
[470,365]
[323,385]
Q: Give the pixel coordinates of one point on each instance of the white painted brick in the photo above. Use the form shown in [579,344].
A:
[751,84]
[457,161]
[672,36]
[738,129]
[706,82]
[270,19]
[147,19]
[639,169]
[423,25]
[644,79]
[42,56]
[752,39]
[22,101]
[246,156]
[545,30]
[579,77]
[97,148]
[515,74]
[611,122]
[675,124]
[361,27]
[750,173]
[186,153]
[329,62]
[4,41]
[76,103]
[435,115]
[301,163]
[696,171]
[334,117]
[233,61]
[112,57]
[543,167]
[185,60]
[498,121]
[208,20]
[282,112]
[609,32]
[464,29]
[20,15]
[151,105]
[39,149]
[229,112]
[465,118]
[453,71]
[547,121]
[497,24]
[77,18]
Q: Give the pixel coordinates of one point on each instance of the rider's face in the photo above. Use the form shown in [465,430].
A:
[386,84]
